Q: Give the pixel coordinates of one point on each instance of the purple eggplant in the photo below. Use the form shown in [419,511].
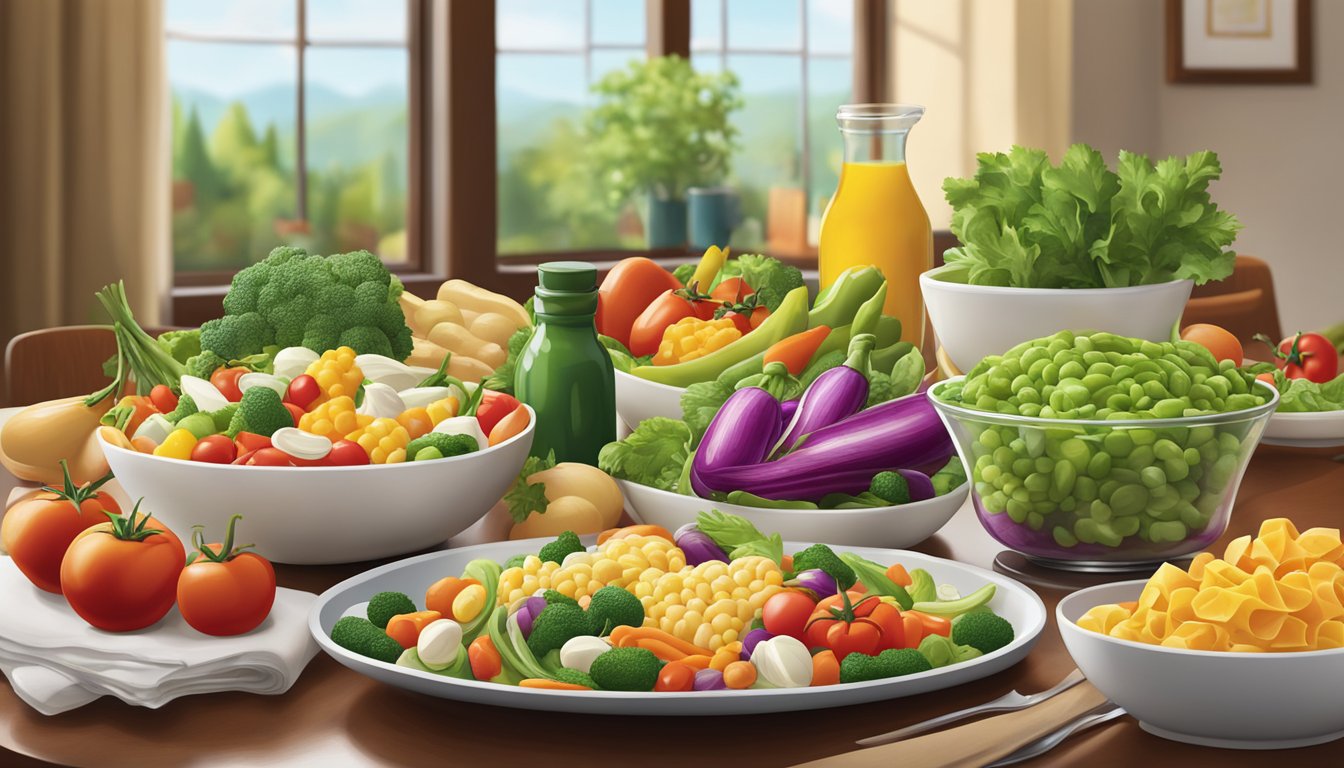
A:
[835,395]
[787,409]
[697,546]
[742,433]
[921,487]
[843,457]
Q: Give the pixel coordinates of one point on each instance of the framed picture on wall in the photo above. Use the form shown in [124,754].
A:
[1239,41]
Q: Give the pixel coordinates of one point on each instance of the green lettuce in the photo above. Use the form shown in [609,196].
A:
[1026,223]
[1305,396]
[653,455]
[770,278]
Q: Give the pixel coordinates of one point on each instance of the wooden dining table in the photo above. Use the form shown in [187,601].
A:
[333,716]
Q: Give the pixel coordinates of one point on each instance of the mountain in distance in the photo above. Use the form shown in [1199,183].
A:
[275,104]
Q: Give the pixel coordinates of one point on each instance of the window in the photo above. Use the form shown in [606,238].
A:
[291,124]
[548,53]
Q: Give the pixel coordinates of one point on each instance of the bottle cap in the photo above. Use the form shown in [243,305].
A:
[575,276]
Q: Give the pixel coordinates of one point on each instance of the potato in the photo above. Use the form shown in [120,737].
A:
[433,312]
[567,513]
[459,340]
[493,327]
[427,354]
[586,482]
[35,440]
[477,299]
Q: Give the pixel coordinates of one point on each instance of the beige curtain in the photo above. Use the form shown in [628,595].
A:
[84,153]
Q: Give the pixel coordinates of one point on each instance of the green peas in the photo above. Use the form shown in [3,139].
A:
[1153,477]
[1169,408]
[1118,443]
[1064,476]
[1064,537]
[1129,499]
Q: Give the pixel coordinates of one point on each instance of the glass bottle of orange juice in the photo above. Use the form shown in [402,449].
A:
[875,216]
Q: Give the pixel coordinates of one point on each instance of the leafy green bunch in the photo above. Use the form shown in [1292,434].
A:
[659,125]
[1026,223]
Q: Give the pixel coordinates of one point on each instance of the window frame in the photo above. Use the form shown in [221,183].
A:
[452,217]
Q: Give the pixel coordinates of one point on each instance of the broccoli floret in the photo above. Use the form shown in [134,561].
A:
[515,562]
[235,336]
[891,487]
[613,607]
[185,407]
[896,662]
[224,416]
[204,364]
[626,669]
[555,626]
[361,636]
[367,339]
[564,544]
[446,445]
[822,557]
[261,412]
[556,596]
[384,605]
[984,631]
[574,677]
[182,345]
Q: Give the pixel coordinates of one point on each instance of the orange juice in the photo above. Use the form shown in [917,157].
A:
[876,218]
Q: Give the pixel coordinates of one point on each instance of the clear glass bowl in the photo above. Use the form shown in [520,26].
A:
[1104,495]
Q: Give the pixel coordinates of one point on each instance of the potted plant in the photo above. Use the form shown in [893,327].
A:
[1076,246]
[658,129]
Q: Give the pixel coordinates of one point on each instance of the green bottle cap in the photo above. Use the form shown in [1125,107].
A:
[575,276]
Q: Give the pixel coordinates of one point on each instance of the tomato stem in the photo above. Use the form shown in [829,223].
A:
[76,495]
[227,551]
[131,528]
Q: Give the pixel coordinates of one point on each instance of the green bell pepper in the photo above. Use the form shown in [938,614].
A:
[837,304]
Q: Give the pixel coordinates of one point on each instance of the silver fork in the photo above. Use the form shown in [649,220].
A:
[1102,714]
[1009,702]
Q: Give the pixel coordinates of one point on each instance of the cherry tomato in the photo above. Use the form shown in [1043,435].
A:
[270,457]
[295,412]
[627,289]
[758,316]
[225,590]
[733,289]
[346,453]
[494,406]
[121,575]
[303,390]
[214,449]
[1219,341]
[667,309]
[163,398]
[37,530]
[1308,356]
[226,381]
[484,658]
[251,441]
[675,676]
[786,613]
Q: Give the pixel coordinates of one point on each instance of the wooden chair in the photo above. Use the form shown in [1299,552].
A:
[1243,303]
[59,362]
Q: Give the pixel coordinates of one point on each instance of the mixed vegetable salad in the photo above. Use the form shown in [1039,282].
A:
[716,606]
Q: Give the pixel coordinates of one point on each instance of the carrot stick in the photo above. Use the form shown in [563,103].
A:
[660,649]
[797,350]
[933,625]
[405,628]
[697,661]
[914,629]
[624,636]
[898,574]
[551,685]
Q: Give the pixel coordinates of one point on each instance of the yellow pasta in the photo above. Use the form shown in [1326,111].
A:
[1279,591]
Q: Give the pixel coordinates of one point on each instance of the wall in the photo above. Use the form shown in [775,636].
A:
[1279,144]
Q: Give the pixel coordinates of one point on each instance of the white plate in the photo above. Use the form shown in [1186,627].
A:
[1014,602]
[1305,430]
[892,527]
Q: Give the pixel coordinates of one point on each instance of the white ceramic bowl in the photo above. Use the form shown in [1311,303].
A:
[639,399]
[889,527]
[1305,430]
[1231,700]
[307,515]
[975,321]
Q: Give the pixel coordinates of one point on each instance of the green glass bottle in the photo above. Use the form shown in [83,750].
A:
[564,372]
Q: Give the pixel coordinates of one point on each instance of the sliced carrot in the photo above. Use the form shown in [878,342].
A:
[786,563]
[933,625]
[440,595]
[509,426]
[796,351]
[624,636]
[898,574]
[825,668]
[697,661]
[859,587]
[486,663]
[635,530]
[405,628]
[914,629]
[739,675]
[660,649]
[551,685]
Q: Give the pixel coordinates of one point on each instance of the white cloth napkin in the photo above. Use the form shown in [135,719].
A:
[56,662]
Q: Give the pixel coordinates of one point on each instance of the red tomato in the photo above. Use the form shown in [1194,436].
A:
[675,676]
[1308,356]
[628,288]
[37,530]
[214,449]
[295,412]
[224,590]
[786,613]
[226,381]
[665,310]
[494,406]
[733,290]
[346,453]
[269,457]
[851,623]
[163,398]
[121,575]
[758,316]
[302,391]
[251,441]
